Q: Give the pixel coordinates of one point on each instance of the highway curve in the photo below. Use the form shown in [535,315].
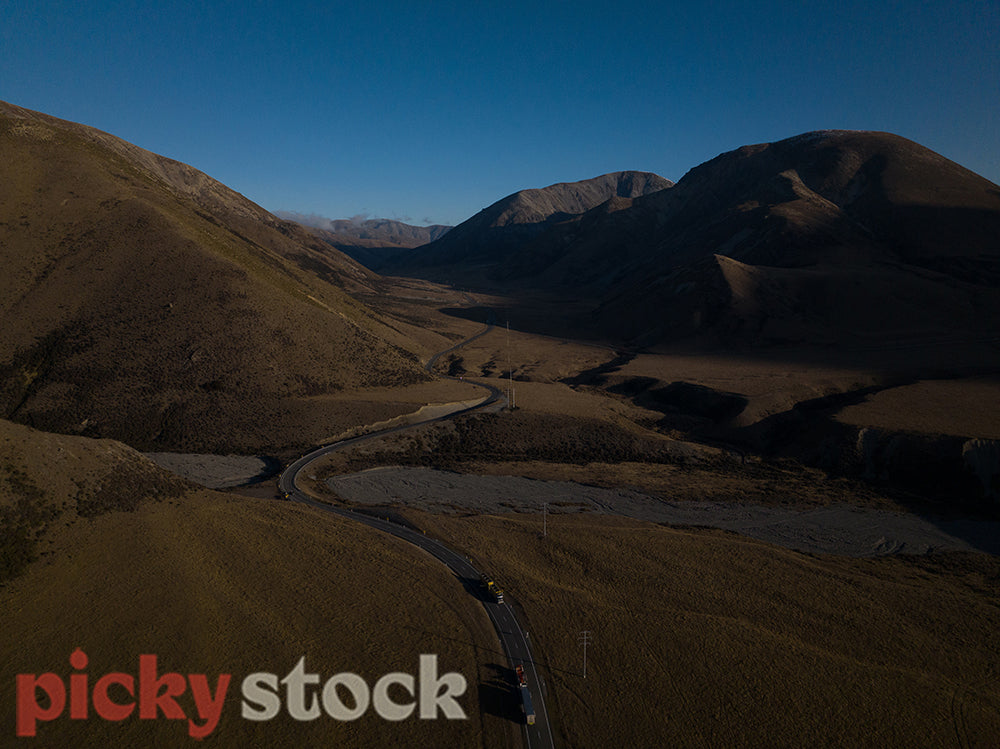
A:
[516,642]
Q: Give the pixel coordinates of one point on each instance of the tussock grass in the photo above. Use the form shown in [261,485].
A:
[702,638]
[215,583]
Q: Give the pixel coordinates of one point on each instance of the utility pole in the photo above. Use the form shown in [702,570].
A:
[584,640]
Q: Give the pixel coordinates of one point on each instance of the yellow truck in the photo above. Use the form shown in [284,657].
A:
[492,589]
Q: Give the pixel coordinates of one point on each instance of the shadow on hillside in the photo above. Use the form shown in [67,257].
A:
[930,476]
[546,317]
[933,477]
[271,468]
[497,695]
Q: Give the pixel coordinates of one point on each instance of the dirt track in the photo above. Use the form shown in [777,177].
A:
[838,529]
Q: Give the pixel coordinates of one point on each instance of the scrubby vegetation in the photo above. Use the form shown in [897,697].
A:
[122,490]
[102,477]
[144,302]
[24,516]
[521,437]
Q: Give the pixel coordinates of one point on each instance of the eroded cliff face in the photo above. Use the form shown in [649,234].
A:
[953,470]
[982,458]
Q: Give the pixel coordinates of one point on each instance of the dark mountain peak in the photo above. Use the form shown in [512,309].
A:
[789,202]
[565,199]
[822,236]
[843,165]
[510,222]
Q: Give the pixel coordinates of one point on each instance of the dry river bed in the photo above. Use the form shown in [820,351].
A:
[834,529]
[216,471]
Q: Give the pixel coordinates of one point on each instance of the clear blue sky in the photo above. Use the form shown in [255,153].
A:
[429,111]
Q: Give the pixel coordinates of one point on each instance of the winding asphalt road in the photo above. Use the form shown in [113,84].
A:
[516,642]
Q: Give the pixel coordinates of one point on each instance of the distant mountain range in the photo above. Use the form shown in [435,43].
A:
[372,242]
[821,237]
[381,244]
[383,230]
[143,300]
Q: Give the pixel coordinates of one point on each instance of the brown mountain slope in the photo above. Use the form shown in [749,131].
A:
[819,237]
[507,224]
[143,300]
[829,236]
[818,196]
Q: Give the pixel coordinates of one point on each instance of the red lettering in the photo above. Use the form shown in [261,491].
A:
[150,699]
[104,705]
[28,709]
[44,697]
[78,686]
[209,708]
[78,696]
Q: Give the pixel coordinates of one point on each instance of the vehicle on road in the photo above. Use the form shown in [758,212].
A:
[522,685]
[492,589]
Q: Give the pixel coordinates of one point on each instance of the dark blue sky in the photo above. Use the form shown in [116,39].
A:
[429,111]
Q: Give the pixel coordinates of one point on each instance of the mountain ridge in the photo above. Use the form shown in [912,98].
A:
[857,209]
[519,217]
[383,230]
[147,302]
[372,242]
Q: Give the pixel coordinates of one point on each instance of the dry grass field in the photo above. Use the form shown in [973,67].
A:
[702,638]
[532,358]
[804,409]
[961,402]
[953,407]
[215,583]
[603,450]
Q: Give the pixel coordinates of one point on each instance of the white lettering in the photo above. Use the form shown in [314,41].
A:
[254,693]
[384,706]
[262,694]
[295,684]
[335,707]
[454,686]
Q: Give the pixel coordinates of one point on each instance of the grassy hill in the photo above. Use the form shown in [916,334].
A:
[703,638]
[144,301]
[129,561]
